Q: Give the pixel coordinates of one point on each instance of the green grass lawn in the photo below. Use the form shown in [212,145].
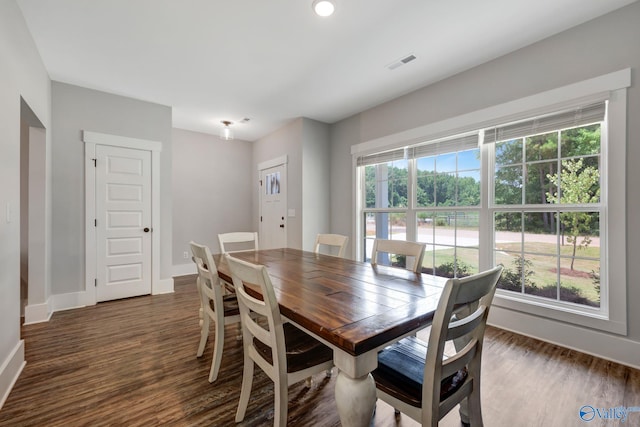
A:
[544,264]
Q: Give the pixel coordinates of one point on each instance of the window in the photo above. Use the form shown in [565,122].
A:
[442,211]
[447,202]
[531,190]
[546,224]
[546,205]
[386,197]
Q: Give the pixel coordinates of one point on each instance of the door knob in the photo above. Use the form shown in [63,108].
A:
[146,229]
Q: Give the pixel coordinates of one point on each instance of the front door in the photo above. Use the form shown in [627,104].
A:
[123,222]
[273,190]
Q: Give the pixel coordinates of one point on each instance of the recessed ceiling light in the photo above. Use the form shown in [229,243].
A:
[323,7]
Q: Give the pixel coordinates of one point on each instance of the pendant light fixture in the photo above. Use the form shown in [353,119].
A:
[323,7]
[226,133]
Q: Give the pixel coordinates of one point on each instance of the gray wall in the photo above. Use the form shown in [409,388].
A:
[76,109]
[285,141]
[315,181]
[307,145]
[211,190]
[343,135]
[607,44]
[21,74]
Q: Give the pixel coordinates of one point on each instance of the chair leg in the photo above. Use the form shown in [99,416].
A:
[464,411]
[218,346]
[204,334]
[459,344]
[281,390]
[247,382]
[474,409]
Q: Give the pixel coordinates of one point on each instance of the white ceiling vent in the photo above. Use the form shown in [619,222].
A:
[399,62]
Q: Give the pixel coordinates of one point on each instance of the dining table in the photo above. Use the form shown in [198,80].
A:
[353,307]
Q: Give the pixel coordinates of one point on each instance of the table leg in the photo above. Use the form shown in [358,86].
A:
[356,399]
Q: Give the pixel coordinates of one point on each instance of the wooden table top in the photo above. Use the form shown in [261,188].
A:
[352,305]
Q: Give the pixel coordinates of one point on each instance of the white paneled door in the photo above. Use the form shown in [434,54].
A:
[273,207]
[123,222]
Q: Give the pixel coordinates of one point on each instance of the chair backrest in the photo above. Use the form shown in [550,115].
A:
[208,281]
[252,309]
[235,238]
[333,240]
[461,314]
[400,247]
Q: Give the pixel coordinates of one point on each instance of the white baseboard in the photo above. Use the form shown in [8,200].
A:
[611,347]
[164,286]
[37,313]
[184,269]
[10,370]
[69,301]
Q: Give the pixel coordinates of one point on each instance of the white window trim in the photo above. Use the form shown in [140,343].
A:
[612,86]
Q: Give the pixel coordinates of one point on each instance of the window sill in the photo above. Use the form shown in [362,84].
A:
[564,312]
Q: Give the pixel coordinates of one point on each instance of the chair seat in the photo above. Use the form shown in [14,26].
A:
[401,369]
[303,351]
[230,303]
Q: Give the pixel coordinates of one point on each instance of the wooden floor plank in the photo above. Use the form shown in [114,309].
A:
[132,362]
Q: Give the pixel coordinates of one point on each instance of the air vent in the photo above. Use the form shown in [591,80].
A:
[408,59]
[400,62]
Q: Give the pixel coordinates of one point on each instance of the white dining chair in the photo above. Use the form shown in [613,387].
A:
[215,306]
[285,353]
[399,247]
[417,379]
[229,242]
[330,241]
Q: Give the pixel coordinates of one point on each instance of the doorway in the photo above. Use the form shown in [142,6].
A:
[273,203]
[122,177]
[33,241]
[123,222]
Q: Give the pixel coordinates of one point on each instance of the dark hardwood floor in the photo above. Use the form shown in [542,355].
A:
[132,362]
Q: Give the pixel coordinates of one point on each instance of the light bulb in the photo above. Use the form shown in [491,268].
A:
[226,133]
[323,7]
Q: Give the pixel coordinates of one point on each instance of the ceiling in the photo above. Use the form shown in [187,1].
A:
[275,60]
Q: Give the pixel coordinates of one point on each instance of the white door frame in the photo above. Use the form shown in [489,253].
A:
[268,164]
[91,139]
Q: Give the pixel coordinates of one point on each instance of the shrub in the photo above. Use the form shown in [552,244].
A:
[399,261]
[512,281]
[567,293]
[449,270]
[595,277]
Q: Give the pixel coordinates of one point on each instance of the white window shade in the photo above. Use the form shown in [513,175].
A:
[581,116]
[387,156]
[461,143]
